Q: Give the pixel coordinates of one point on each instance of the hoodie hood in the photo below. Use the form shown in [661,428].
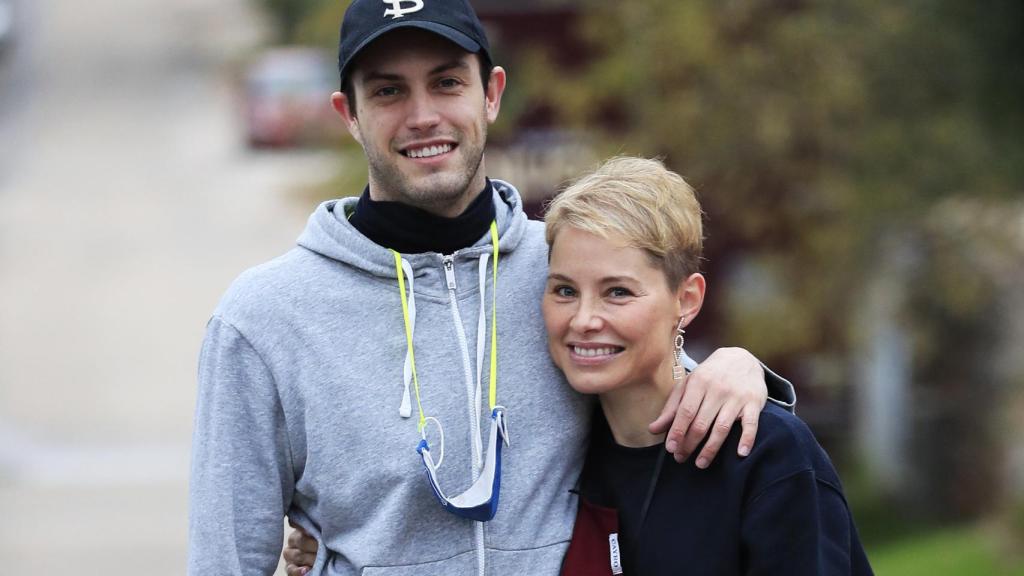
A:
[329,233]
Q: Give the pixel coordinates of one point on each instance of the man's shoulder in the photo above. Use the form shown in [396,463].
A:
[261,287]
[529,234]
[532,238]
[535,229]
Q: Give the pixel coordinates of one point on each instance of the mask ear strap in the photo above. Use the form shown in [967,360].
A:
[493,400]
[480,501]
[423,434]
[502,423]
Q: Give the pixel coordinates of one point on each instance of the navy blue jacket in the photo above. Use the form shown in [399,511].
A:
[779,511]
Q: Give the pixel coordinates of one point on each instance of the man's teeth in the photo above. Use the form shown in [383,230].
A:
[430,151]
[593,351]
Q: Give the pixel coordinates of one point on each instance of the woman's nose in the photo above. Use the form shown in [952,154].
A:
[587,318]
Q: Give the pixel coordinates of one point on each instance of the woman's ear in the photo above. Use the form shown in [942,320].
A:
[690,295]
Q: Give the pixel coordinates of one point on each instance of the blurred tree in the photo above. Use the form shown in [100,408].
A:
[814,130]
[292,17]
[320,25]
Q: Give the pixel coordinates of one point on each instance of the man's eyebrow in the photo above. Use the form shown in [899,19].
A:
[374,75]
[457,64]
[377,75]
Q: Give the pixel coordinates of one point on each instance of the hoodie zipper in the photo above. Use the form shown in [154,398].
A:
[448,262]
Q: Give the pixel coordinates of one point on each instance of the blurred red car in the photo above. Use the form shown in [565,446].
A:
[287,98]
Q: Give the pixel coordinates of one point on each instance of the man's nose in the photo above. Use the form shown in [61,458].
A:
[422,113]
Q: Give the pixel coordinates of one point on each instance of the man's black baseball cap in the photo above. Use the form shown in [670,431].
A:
[367,20]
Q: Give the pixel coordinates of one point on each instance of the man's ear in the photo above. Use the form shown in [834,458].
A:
[340,103]
[690,296]
[492,93]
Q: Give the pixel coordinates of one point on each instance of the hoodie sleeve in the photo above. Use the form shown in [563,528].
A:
[780,390]
[241,480]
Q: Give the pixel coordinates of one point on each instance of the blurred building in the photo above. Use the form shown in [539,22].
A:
[941,377]
[536,154]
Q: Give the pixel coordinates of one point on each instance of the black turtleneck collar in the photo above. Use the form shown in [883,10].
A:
[411,230]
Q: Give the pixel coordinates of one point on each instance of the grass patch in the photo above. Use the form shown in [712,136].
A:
[952,552]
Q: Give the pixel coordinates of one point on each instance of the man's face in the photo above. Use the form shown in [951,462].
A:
[421,116]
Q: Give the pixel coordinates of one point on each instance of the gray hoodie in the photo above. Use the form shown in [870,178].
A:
[300,385]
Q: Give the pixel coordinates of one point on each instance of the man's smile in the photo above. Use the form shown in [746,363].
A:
[428,150]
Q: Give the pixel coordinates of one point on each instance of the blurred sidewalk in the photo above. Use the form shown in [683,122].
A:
[128,202]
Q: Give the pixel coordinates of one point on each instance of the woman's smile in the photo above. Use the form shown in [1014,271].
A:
[593,354]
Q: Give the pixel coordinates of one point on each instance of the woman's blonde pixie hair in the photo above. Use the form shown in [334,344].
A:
[640,203]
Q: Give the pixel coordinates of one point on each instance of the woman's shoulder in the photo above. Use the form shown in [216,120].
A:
[786,446]
[778,425]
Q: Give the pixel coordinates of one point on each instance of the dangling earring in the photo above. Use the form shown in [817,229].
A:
[677,349]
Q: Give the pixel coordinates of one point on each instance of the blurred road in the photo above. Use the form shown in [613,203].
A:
[127,204]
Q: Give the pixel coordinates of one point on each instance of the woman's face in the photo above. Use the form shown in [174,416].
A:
[610,315]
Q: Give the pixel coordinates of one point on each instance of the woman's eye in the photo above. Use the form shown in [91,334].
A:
[619,292]
[564,291]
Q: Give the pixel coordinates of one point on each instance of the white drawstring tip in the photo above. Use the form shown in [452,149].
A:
[405,410]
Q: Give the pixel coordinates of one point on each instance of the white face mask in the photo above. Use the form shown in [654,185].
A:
[480,501]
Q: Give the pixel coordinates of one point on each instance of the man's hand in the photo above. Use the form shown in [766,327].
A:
[726,387]
[300,554]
